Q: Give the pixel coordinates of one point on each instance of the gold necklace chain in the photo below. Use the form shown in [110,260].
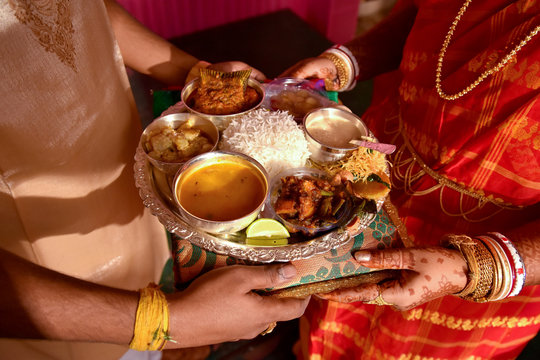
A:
[485,74]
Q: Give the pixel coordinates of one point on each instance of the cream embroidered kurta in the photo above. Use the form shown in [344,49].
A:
[68,133]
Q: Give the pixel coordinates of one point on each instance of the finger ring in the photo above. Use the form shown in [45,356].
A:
[378,300]
[269,329]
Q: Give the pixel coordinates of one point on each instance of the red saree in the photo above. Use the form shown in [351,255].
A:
[465,166]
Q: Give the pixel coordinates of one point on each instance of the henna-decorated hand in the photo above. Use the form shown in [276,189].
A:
[315,68]
[428,273]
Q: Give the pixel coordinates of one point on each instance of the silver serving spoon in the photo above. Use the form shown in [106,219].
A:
[380,147]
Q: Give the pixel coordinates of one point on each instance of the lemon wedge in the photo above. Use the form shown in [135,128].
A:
[266,229]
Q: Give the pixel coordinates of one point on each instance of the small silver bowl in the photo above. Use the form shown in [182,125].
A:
[328,132]
[174,121]
[297,96]
[214,202]
[221,121]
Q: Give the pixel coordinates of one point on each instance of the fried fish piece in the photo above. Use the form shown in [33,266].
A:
[222,93]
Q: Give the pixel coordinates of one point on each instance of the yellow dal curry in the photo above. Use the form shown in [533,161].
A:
[222,191]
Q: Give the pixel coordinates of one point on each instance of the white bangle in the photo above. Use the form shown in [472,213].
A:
[345,52]
[351,57]
[519,266]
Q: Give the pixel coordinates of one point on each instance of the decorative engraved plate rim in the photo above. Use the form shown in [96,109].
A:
[174,224]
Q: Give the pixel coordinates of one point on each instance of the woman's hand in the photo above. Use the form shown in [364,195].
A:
[221,306]
[428,273]
[315,68]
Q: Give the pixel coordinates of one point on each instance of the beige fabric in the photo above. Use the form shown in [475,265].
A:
[68,133]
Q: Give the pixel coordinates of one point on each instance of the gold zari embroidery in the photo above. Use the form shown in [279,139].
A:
[400,227]
[50,22]
[409,175]
[360,342]
[455,323]
[346,330]
[409,356]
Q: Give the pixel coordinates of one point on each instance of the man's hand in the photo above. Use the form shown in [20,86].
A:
[230,66]
[221,305]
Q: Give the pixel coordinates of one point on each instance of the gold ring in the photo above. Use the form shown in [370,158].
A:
[269,329]
[378,300]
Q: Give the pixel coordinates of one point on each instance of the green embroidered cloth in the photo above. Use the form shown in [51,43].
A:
[190,261]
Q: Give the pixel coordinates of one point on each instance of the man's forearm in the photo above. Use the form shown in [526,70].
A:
[145,51]
[38,303]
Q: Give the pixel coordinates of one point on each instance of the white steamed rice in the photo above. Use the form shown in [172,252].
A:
[271,137]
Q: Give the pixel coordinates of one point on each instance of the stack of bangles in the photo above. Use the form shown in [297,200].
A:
[496,270]
[346,66]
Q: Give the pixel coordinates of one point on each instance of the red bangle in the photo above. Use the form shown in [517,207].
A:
[515,258]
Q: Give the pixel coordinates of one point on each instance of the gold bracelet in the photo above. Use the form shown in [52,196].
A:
[480,263]
[498,276]
[151,330]
[343,73]
[485,265]
[504,269]
[464,245]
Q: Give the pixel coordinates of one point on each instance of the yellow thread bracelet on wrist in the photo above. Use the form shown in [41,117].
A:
[151,330]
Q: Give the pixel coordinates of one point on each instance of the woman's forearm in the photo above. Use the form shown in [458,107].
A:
[527,241]
[381,48]
[147,52]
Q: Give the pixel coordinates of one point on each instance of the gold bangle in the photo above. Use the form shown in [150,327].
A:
[485,266]
[505,272]
[497,269]
[151,330]
[480,263]
[464,245]
[342,71]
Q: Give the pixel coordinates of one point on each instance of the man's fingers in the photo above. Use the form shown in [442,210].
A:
[265,276]
[257,75]
[386,259]
[283,309]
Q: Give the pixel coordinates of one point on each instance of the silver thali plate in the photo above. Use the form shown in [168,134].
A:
[155,192]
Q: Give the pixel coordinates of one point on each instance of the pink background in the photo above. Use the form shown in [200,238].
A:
[335,19]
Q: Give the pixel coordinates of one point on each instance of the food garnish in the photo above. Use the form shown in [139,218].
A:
[363,172]
[266,229]
[361,163]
